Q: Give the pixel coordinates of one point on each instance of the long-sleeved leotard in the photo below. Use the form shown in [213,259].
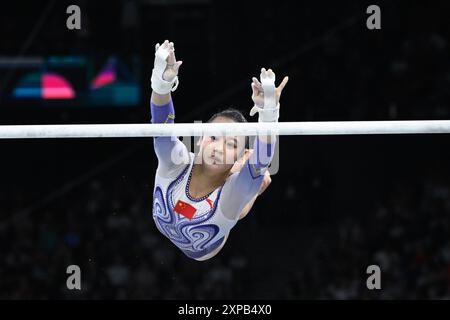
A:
[212,216]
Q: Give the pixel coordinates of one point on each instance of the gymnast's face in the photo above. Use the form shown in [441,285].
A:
[219,153]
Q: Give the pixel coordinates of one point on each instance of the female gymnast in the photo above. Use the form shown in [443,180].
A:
[198,201]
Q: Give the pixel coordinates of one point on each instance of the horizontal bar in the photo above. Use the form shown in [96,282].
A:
[199,129]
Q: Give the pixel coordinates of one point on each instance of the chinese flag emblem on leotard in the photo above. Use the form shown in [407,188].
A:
[185,209]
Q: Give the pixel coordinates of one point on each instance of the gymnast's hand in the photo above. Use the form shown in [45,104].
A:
[172,64]
[165,70]
[257,88]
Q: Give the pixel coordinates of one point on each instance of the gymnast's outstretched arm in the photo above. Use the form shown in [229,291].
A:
[265,184]
[171,152]
[241,188]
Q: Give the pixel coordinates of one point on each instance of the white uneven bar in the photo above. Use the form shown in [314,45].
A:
[198,129]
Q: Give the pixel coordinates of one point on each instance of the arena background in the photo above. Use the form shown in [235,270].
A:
[338,203]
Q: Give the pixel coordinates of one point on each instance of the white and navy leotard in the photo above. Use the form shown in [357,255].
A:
[212,216]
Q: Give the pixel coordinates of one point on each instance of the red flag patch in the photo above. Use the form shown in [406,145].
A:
[185,209]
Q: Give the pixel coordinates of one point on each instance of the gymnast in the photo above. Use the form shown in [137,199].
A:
[198,201]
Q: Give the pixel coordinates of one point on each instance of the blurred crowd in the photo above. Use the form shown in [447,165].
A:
[106,228]
[407,236]
[338,71]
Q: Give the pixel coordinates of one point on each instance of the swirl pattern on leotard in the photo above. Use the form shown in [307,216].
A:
[192,236]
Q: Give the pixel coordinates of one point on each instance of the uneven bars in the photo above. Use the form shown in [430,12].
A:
[247,129]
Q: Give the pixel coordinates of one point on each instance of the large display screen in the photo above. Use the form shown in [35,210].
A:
[73,81]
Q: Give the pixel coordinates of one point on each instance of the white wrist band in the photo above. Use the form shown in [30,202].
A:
[159,85]
[271,110]
[266,115]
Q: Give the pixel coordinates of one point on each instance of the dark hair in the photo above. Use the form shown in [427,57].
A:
[229,113]
[232,114]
